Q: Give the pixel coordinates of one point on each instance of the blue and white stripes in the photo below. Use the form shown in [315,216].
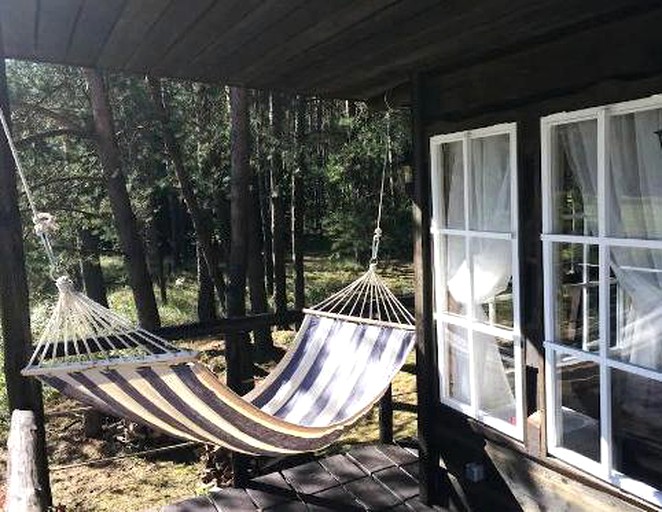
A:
[334,373]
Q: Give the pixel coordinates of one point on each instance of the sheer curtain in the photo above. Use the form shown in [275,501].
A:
[489,198]
[634,211]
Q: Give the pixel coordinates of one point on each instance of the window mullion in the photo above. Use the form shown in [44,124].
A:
[473,377]
[604,300]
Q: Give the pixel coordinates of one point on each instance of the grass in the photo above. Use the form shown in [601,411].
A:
[135,483]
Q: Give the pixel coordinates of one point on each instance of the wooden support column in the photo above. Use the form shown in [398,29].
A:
[22,393]
[238,348]
[386,417]
[531,277]
[426,357]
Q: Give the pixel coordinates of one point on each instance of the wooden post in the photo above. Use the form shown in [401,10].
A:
[23,487]
[22,393]
[426,359]
[237,350]
[386,417]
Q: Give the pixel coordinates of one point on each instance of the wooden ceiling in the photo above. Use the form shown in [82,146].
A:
[336,48]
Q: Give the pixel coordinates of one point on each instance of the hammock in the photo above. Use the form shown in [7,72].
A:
[337,368]
[347,351]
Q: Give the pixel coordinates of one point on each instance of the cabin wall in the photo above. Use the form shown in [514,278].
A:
[616,61]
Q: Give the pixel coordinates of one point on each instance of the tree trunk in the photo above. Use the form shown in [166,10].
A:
[264,344]
[206,298]
[90,266]
[264,188]
[120,203]
[200,221]
[298,207]
[95,289]
[239,360]
[22,393]
[278,229]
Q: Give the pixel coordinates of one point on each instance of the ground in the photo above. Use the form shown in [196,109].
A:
[122,481]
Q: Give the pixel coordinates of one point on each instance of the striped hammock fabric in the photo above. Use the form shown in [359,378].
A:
[335,372]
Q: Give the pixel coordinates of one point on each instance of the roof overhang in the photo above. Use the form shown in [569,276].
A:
[334,48]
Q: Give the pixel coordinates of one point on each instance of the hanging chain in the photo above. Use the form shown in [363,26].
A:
[44,223]
[376,237]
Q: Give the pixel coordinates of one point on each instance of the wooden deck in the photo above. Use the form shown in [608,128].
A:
[371,477]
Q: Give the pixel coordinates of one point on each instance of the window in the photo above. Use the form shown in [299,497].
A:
[602,244]
[474,228]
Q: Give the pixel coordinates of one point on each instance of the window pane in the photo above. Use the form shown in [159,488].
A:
[490,184]
[495,370]
[576,296]
[636,306]
[637,429]
[635,175]
[578,419]
[492,275]
[457,275]
[452,168]
[574,178]
[457,356]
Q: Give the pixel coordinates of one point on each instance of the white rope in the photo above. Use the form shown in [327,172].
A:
[44,223]
[100,338]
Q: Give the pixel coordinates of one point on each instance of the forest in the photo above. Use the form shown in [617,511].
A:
[134,176]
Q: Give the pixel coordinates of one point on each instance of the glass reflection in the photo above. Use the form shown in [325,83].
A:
[577,309]
[636,425]
[574,178]
[578,419]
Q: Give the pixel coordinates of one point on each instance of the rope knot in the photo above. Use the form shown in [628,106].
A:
[44,223]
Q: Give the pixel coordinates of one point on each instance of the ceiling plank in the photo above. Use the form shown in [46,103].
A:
[250,27]
[222,17]
[56,22]
[449,44]
[328,28]
[93,26]
[177,19]
[19,26]
[129,31]
[309,14]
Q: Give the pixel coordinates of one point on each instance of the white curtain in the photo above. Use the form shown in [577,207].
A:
[489,198]
[634,211]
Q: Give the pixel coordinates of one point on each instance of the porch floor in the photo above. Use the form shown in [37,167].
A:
[370,477]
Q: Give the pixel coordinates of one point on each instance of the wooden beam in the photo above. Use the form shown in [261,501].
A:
[427,385]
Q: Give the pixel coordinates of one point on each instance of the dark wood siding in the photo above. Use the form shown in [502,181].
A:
[618,60]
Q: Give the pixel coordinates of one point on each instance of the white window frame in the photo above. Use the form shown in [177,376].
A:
[604,468]
[441,318]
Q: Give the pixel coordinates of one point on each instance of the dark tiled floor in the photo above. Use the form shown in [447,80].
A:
[374,477]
